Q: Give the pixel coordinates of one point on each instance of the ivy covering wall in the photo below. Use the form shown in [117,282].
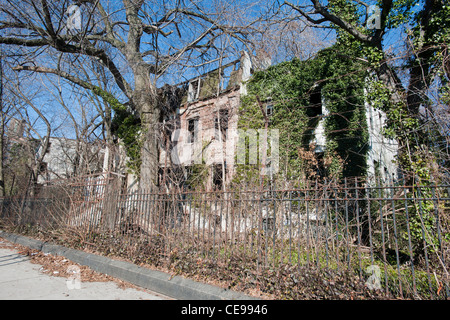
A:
[291,88]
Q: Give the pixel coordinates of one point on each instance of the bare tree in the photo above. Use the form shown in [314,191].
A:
[317,13]
[88,118]
[136,41]
[420,62]
[286,37]
[2,128]
[32,131]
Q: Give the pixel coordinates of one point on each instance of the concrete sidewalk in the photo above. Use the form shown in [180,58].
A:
[22,280]
[165,284]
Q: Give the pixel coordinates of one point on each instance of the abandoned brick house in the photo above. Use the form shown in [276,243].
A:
[202,128]
[200,132]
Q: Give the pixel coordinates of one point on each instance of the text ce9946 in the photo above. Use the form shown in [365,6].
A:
[229,309]
[236,309]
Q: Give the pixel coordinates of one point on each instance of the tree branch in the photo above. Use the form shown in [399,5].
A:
[25,42]
[57,72]
[328,16]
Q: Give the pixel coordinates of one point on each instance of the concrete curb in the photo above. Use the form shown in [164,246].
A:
[175,287]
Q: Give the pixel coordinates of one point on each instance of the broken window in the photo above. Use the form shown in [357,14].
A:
[315,102]
[167,136]
[194,90]
[269,111]
[218,176]
[221,124]
[192,129]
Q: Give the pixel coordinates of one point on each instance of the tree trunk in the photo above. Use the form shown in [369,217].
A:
[145,99]
[150,152]
[2,130]
[422,58]
[2,180]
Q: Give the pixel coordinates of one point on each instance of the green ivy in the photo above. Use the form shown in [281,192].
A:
[126,127]
[288,86]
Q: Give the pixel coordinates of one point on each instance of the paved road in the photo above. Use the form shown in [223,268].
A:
[22,280]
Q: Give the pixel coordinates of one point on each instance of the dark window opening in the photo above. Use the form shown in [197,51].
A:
[376,167]
[194,90]
[222,122]
[168,129]
[43,167]
[321,170]
[217,176]
[315,102]
[269,110]
[193,129]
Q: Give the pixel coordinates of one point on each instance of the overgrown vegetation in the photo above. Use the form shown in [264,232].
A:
[315,243]
[126,126]
[411,237]
[289,282]
[302,93]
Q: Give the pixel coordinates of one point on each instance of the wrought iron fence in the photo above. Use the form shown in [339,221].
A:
[395,237]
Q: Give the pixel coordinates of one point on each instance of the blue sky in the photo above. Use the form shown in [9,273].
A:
[394,43]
